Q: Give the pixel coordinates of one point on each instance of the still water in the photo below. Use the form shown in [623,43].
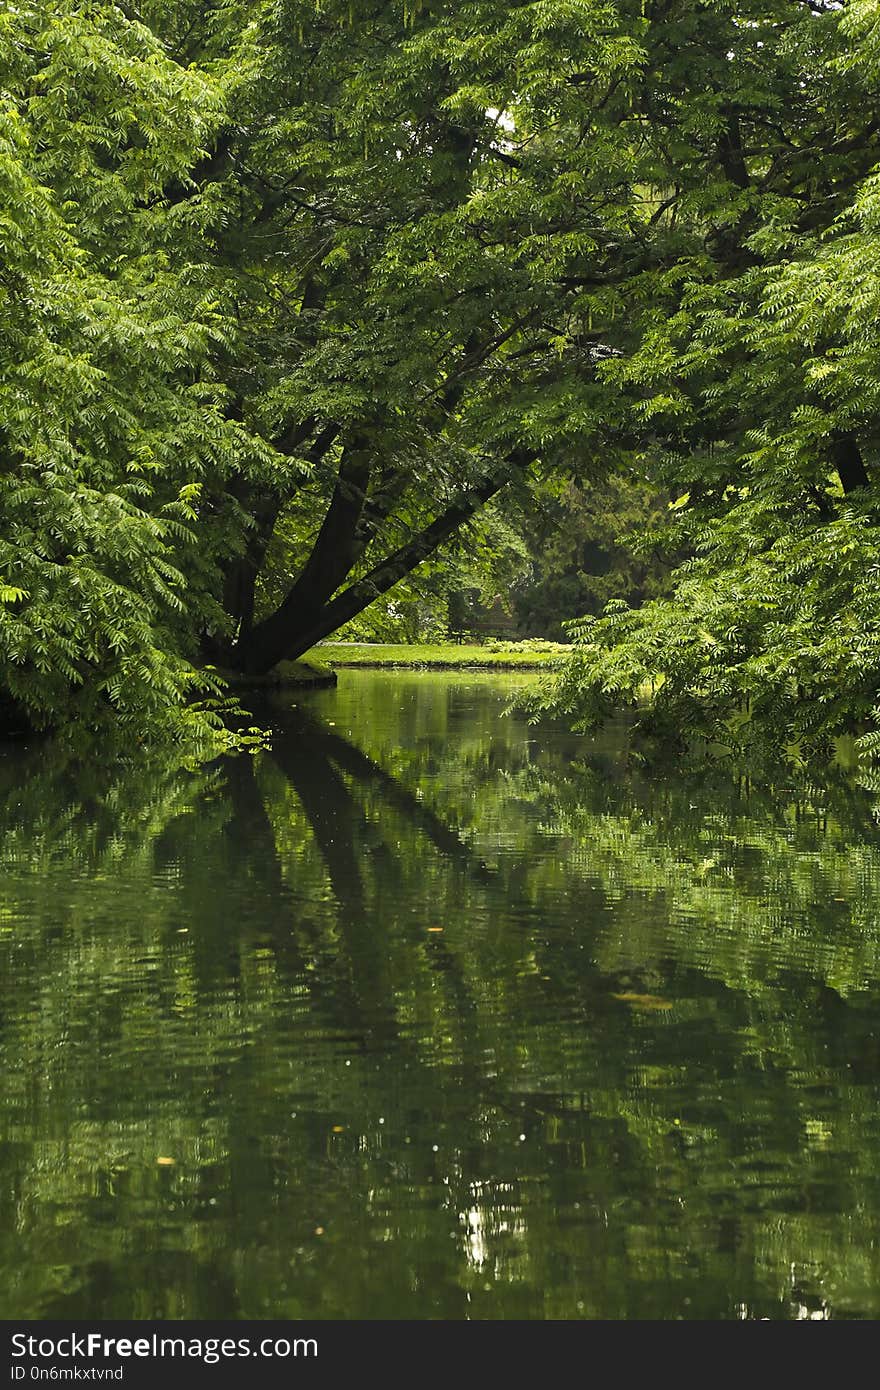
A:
[430,1013]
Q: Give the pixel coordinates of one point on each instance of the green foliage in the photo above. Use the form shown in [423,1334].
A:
[780,644]
[293,291]
[587,542]
[105,431]
[760,381]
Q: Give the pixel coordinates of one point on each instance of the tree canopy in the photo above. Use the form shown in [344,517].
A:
[761,378]
[304,285]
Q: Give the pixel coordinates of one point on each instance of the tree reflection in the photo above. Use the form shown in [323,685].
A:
[435,1020]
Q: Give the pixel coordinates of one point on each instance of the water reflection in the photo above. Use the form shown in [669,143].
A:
[429,1013]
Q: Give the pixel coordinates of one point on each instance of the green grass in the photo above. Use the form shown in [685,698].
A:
[444,656]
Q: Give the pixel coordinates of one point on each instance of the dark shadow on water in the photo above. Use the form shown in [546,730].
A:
[425,1013]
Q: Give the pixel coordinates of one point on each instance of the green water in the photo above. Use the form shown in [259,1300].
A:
[427,1013]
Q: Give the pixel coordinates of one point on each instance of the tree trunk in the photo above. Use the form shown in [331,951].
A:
[331,559]
[295,627]
[241,578]
[850,465]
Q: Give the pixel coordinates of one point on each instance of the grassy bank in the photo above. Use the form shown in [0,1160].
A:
[441,656]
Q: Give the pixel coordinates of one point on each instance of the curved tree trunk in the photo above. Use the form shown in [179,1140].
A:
[313,610]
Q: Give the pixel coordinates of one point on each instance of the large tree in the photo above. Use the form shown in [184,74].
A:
[411,208]
[373,264]
[470,241]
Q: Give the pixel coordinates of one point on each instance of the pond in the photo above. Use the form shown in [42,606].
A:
[429,1013]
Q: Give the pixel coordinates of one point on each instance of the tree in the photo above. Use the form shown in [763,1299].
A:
[370,267]
[355,277]
[408,222]
[108,418]
[762,380]
[474,245]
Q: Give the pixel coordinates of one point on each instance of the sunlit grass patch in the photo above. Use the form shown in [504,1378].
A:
[493,655]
